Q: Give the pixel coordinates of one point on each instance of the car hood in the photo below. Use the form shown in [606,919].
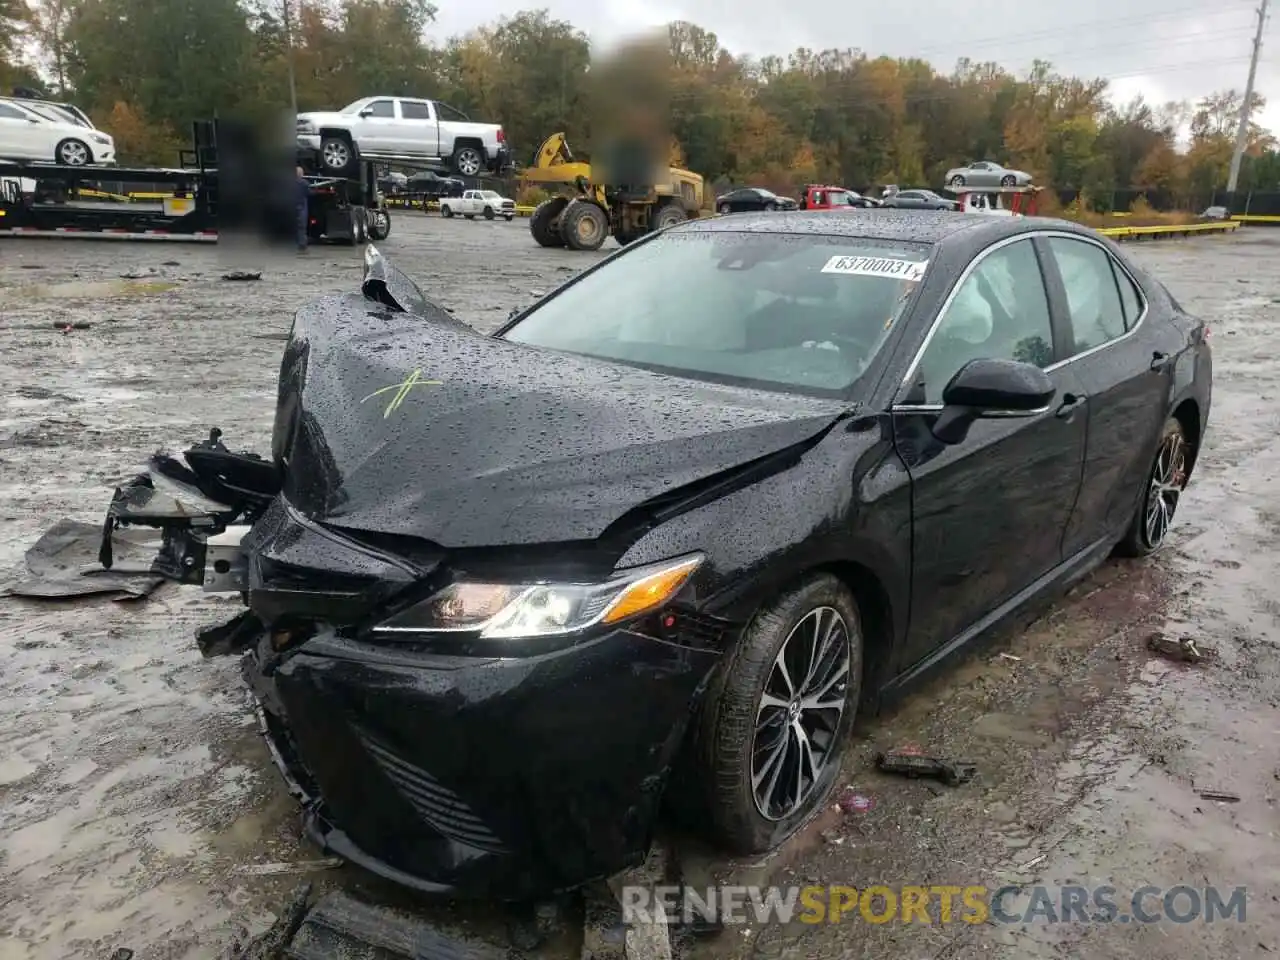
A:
[395,418]
[327,116]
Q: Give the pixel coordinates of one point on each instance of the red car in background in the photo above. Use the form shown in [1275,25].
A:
[817,196]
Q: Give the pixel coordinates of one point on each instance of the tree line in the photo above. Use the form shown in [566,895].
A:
[145,69]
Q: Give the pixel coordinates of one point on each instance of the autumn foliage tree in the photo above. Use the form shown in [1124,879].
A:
[147,68]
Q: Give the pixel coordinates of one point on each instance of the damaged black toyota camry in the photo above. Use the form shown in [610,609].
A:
[672,526]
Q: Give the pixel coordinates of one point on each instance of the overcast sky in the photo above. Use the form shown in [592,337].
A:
[1164,49]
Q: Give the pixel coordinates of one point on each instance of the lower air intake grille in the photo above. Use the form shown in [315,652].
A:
[436,804]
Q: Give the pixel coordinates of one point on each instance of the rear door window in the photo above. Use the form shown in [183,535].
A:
[1093,299]
[414,110]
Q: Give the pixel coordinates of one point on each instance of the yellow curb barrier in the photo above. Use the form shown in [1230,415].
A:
[1172,230]
[1256,218]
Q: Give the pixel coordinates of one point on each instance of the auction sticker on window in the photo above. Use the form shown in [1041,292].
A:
[891,267]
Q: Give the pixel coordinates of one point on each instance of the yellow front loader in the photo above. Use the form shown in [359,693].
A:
[587,213]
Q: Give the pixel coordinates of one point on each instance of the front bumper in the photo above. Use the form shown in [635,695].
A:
[501,778]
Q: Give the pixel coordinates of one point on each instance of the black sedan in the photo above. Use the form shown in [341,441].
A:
[688,513]
[919,200]
[753,199]
[432,186]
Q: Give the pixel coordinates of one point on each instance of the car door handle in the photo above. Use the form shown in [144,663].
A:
[1070,404]
[1160,360]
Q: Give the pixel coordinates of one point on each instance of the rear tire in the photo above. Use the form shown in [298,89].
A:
[956,181]
[379,225]
[725,208]
[446,211]
[468,161]
[543,224]
[668,215]
[584,226]
[1166,479]
[748,710]
[1009,181]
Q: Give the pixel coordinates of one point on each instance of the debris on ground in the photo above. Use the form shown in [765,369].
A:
[272,943]
[139,274]
[850,801]
[302,866]
[650,939]
[1220,795]
[242,275]
[67,327]
[1184,649]
[912,762]
[340,926]
[64,563]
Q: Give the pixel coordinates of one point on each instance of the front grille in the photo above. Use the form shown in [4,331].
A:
[434,802]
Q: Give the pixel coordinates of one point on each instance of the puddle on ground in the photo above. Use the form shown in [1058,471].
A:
[89,289]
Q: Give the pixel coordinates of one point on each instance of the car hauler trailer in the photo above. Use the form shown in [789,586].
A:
[186,202]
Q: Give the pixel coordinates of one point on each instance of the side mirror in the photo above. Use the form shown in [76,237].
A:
[32,120]
[366,112]
[991,388]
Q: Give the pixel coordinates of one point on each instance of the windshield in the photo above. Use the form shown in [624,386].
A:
[490,195]
[354,107]
[783,311]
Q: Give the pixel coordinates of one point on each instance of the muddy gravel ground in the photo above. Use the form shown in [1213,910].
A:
[138,808]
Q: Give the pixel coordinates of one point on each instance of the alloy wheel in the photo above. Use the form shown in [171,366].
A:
[74,153]
[336,155]
[468,162]
[799,713]
[1168,477]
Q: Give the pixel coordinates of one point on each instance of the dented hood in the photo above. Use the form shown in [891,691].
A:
[394,418]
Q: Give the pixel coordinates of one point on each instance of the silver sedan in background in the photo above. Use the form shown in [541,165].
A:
[986,173]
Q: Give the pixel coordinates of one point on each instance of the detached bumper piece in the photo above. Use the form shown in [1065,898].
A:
[196,505]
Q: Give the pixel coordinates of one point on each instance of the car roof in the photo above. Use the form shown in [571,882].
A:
[882,223]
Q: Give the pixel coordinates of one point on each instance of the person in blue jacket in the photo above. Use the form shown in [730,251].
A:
[302,199]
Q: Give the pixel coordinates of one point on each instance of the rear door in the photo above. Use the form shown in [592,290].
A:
[1124,358]
[988,513]
[20,139]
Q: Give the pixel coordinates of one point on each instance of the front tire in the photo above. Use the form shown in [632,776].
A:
[584,226]
[335,154]
[543,225]
[73,153]
[1166,480]
[725,208]
[1009,181]
[379,225]
[779,713]
[956,181]
[488,213]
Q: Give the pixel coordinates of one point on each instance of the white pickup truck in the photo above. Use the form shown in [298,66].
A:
[474,203]
[407,130]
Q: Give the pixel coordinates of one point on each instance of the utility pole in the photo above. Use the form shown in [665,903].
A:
[1242,132]
[288,39]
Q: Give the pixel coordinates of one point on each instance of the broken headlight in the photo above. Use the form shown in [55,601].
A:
[512,610]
